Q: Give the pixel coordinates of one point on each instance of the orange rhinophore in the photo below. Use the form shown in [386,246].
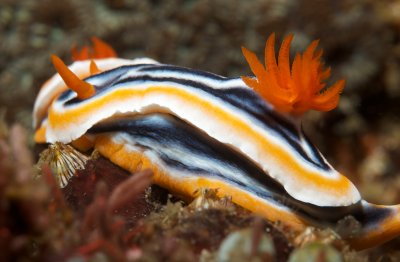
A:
[82,88]
[99,50]
[292,90]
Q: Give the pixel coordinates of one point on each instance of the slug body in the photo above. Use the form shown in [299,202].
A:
[195,129]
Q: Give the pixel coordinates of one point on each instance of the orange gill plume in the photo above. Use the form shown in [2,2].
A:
[297,89]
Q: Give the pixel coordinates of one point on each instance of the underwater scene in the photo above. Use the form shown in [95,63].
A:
[199,130]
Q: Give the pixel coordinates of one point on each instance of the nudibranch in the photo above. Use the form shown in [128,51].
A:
[196,130]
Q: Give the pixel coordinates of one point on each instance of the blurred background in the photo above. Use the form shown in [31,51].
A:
[360,39]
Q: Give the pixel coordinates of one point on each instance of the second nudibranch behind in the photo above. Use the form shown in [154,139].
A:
[195,129]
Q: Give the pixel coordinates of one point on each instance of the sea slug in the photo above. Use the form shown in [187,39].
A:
[196,129]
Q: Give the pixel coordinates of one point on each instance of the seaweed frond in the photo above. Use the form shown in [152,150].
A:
[297,89]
